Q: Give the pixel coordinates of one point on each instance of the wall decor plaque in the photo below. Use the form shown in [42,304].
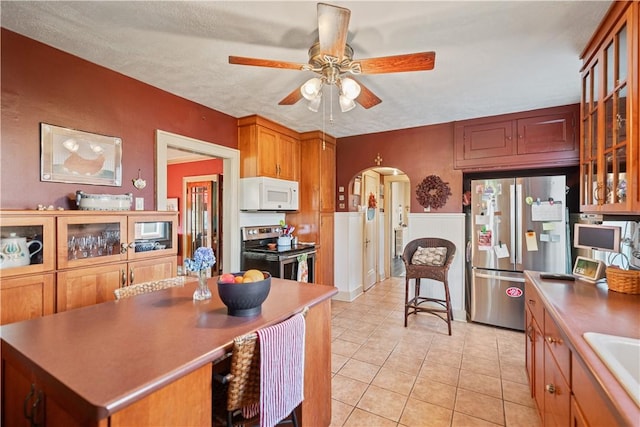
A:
[78,157]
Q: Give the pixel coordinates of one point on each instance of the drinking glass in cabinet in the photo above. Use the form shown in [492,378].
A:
[93,240]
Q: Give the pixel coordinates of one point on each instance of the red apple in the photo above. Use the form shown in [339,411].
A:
[227,278]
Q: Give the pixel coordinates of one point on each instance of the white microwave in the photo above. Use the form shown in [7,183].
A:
[268,194]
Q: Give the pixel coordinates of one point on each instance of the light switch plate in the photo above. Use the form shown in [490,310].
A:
[139,203]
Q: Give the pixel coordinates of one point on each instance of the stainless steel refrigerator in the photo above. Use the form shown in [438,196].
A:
[517,224]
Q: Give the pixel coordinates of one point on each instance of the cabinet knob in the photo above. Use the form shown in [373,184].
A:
[552,340]
[551,389]
[123,248]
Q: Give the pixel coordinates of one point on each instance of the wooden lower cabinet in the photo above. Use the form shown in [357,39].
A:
[557,393]
[26,297]
[534,354]
[577,417]
[587,402]
[93,285]
[28,404]
[565,393]
[152,269]
[185,402]
[87,286]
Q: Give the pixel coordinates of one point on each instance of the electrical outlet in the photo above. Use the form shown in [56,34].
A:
[139,203]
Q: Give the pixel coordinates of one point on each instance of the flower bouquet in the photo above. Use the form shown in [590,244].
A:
[202,259]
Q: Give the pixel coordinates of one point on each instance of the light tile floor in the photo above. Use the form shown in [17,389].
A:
[384,374]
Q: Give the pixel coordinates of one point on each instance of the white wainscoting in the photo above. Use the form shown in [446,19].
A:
[348,254]
[348,251]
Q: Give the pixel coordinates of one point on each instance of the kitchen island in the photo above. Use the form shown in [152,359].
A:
[148,360]
[570,383]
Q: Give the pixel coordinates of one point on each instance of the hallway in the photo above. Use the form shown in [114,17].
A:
[386,375]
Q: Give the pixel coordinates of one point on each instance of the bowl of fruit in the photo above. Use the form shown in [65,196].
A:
[243,293]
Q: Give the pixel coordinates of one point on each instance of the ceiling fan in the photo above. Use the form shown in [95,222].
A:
[331,58]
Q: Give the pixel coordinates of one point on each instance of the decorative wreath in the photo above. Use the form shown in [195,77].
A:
[433,192]
[372,201]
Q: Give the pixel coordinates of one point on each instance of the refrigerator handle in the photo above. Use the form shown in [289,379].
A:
[512,221]
[501,278]
[519,221]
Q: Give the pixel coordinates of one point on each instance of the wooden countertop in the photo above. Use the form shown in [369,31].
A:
[580,307]
[102,358]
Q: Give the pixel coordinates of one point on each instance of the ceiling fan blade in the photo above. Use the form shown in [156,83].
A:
[367,98]
[241,60]
[292,98]
[422,61]
[333,26]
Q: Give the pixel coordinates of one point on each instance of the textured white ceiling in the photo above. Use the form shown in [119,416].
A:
[491,57]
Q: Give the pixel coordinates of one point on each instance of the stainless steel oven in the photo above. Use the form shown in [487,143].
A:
[259,250]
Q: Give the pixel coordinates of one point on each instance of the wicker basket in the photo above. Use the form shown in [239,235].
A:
[623,281]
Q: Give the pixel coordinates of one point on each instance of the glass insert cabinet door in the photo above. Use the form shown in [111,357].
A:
[91,239]
[605,128]
[27,244]
[152,235]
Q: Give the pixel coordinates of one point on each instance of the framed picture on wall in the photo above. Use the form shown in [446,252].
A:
[172,204]
[78,157]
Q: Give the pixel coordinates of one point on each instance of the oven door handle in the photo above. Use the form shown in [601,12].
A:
[296,256]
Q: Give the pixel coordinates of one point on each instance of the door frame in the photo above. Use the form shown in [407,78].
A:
[231,171]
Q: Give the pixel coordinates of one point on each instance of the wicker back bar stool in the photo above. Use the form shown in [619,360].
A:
[143,288]
[428,258]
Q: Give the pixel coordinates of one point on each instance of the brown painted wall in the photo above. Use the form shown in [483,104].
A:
[418,152]
[43,84]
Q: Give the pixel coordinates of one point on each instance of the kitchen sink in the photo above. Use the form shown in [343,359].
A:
[622,357]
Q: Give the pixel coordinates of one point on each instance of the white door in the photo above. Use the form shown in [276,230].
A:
[371,182]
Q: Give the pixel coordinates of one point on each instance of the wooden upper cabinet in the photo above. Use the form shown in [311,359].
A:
[610,152]
[268,149]
[548,133]
[538,138]
[484,140]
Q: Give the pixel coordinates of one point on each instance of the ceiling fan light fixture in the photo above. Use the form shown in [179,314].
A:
[346,104]
[350,88]
[314,104]
[311,88]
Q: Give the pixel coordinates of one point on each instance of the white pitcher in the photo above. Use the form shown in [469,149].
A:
[14,251]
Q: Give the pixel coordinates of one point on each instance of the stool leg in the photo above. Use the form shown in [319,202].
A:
[406,300]
[448,301]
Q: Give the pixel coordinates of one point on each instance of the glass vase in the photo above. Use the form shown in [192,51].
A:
[202,291]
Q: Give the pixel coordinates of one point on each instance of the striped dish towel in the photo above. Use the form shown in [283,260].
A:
[281,369]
